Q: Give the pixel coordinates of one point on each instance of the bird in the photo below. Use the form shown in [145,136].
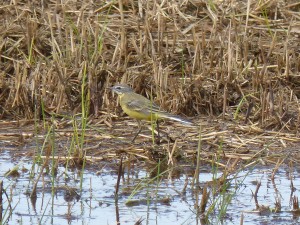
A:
[141,108]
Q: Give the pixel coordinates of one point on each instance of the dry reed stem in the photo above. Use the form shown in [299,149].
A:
[239,61]
[237,142]
[199,58]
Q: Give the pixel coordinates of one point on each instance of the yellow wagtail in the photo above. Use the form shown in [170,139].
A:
[141,108]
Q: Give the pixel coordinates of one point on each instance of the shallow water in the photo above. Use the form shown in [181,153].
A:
[160,201]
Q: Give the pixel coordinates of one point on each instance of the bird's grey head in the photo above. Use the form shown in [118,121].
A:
[121,89]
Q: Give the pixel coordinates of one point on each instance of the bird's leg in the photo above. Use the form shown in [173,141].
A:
[158,136]
[139,131]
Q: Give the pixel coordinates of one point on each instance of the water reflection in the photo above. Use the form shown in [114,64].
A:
[152,196]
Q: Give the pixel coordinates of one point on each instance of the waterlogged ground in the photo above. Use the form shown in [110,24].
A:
[143,195]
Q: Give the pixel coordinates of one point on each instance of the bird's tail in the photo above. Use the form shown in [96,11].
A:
[176,118]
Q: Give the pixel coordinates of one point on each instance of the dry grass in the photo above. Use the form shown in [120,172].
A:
[222,144]
[236,60]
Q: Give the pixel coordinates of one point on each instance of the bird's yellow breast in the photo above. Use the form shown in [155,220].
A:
[137,111]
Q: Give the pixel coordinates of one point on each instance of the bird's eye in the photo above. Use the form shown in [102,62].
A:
[118,88]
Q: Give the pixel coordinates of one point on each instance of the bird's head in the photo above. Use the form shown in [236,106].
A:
[121,89]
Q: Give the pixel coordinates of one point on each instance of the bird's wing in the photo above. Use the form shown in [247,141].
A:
[153,108]
[143,106]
